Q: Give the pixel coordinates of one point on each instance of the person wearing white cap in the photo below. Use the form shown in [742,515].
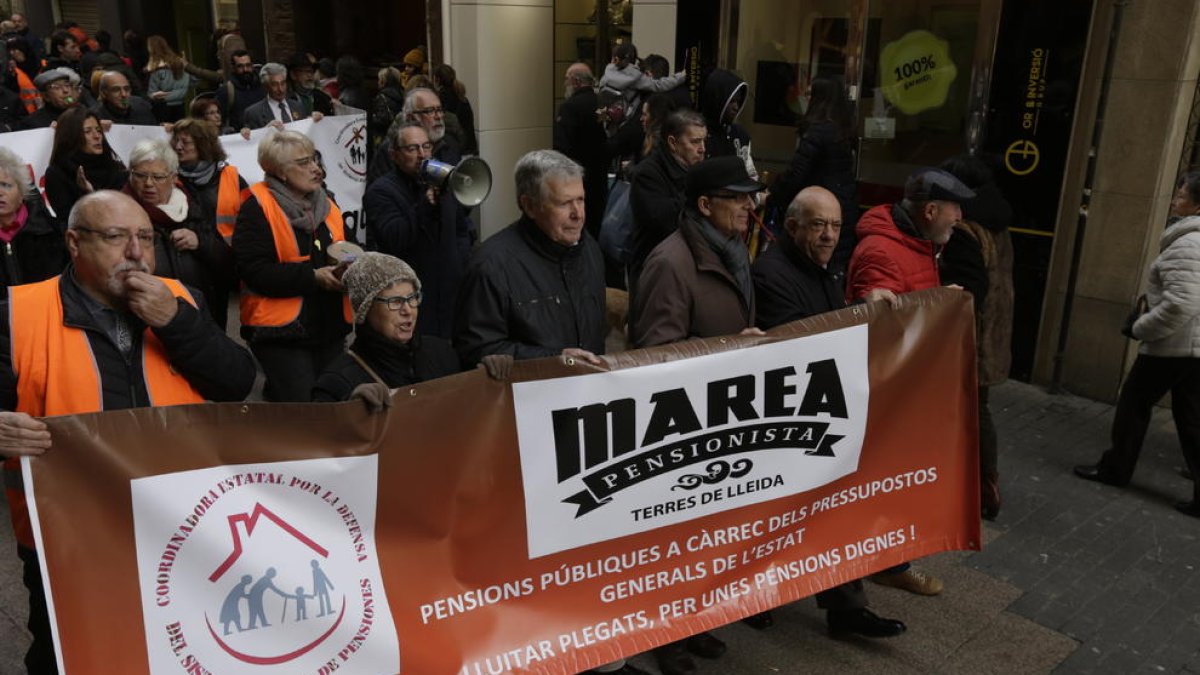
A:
[59,88]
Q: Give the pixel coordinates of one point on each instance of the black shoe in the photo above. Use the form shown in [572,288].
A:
[864,622]
[761,621]
[1093,472]
[673,659]
[706,645]
[1191,508]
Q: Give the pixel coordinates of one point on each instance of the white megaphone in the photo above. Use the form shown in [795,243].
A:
[470,182]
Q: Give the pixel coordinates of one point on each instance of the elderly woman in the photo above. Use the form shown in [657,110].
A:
[295,315]
[185,245]
[81,161]
[31,247]
[385,294]
[215,184]
[1168,359]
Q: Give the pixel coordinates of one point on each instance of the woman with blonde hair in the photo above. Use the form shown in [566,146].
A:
[295,314]
[169,83]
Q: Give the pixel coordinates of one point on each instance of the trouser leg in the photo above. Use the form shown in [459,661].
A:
[850,595]
[1185,405]
[40,659]
[988,442]
[1149,380]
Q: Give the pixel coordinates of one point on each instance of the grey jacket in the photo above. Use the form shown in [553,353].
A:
[1171,324]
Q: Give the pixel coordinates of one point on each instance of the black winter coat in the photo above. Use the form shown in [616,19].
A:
[724,137]
[578,135]
[219,368]
[206,195]
[435,240]
[321,320]
[789,286]
[422,359]
[62,190]
[201,268]
[656,198]
[38,252]
[40,119]
[139,112]
[530,297]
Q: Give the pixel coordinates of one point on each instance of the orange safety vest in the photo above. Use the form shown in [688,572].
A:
[258,310]
[29,93]
[57,374]
[229,201]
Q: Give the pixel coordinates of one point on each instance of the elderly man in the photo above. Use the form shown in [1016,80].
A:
[422,106]
[66,345]
[792,281]
[656,193]
[536,288]
[696,284]
[423,226]
[302,77]
[117,102]
[59,89]
[275,109]
[579,135]
[898,244]
[36,46]
[898,248]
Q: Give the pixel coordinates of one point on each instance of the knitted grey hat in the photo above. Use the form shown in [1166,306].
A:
[369,275]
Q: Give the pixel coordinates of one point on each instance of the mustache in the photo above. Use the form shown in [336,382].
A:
[132,266]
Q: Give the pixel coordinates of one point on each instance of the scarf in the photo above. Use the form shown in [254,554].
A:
[199,173]
[103,171]
[304,214]
[167,216]
[10,231]
[734,256]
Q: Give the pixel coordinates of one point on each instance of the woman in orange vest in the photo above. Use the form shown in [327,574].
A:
[214,183]
[295,314]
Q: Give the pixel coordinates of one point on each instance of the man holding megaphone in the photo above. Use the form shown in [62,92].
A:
[415,217]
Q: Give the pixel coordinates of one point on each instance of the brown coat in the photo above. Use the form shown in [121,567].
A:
[993,322]
[685,292]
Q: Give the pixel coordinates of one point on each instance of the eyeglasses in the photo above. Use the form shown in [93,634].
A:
[143,177]
[395,302]
[433,110]
[120,238]
[304,161]
[62,87]
[416,147]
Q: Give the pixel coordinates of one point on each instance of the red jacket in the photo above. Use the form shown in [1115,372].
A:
[889,257]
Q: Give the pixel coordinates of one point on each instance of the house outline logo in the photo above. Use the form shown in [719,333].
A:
[265,568]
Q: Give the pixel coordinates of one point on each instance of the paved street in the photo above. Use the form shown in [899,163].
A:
[1074,577]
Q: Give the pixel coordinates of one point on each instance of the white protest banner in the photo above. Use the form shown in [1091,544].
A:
[341,140]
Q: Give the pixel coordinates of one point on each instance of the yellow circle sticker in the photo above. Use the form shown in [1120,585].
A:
[915,72]
[1021,157]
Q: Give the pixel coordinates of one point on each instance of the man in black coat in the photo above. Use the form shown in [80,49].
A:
[579,135]
[656,193]
[792,281]
[117,102]
[424,227]
[536,288]
[60,90]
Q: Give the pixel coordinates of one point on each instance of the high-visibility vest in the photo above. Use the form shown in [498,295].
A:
[258,310]
[29,93]
[229,201]
[57,374]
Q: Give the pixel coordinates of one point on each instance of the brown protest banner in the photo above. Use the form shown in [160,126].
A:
[691,486]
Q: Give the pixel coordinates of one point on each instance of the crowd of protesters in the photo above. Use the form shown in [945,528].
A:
[142,257]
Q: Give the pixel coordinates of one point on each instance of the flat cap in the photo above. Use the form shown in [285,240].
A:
[54,75]
[930,184]
[720,173]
